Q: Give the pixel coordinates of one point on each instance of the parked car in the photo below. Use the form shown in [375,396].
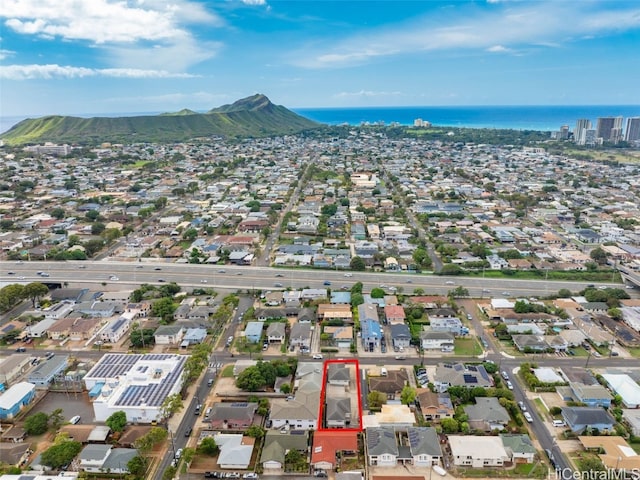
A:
[178,453]
[522,406]
[21,349]
[250,475]
[74,420]
[317,356]
[509,385]
[188,432]
[528,417]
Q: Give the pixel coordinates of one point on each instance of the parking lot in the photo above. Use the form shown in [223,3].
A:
[71,404]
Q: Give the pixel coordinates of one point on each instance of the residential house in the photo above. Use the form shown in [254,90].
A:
[460,375]
[300,335]
[592,395]
[253,332]
[527,343]
[424,446]
[434,406]
[342,336]
[194,336]
[451,325]
[338,374]
[306,315]
[431,340]
[328,445]
[116,329]
[100,458]
[235,451]
[382,447]
[579,419]
[328,311]
[400,335]
[264,314]
[477,452]
[276,332]
[169,335]
[614,452]
[300,413]
[232,416]
[487,414]
[278,443]
[518,447]
[337,412]
[75,328]
[394,314]
[370,333]
[391,384]
[13,366]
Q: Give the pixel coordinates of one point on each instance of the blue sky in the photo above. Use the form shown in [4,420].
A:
[101,56]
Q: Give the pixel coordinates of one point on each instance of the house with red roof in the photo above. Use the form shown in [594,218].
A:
[326,445]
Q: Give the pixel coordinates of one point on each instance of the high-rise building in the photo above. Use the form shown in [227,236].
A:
[605,127]
[632,132]
[564,132]
[579,134]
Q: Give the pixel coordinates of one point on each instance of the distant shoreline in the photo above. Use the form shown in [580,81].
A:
[540,118]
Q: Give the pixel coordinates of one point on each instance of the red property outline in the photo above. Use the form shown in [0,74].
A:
[326,363]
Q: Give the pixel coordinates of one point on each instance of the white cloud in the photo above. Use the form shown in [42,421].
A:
[511,26]
[103,21]
[498,49]
[50,71]
[4,54]
[254,2]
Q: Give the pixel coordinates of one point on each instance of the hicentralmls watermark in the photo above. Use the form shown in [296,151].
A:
[608,474]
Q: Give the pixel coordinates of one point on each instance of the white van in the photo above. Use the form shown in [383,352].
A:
[74,420]
[383,372]
[528,417]
[559,423]
[207,413]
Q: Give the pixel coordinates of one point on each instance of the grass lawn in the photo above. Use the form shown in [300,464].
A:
[634,352]
[228,371]
[636,447]
[540,406]
[467,346]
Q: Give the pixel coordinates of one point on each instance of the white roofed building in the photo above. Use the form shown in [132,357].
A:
[135,384]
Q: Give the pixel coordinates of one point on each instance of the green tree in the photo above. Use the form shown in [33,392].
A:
[142,337]
[564,293]
[92,215]
[97,228]
[58,213]
[255,431]
[172,404]
[137,466]
[250,380]
[357,264]
[187,454]
[169,473]
[598,255]
[408,395]
[449,425]
[34,291]
[377,292]
[208,447]
[61,454]
[164,308]
[56,419]
[615,313]
[36,424]
[356,299]
[376,399]
[117,421]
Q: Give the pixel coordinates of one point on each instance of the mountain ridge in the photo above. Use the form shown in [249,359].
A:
[253,116]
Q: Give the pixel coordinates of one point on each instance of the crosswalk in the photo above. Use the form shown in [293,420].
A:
[215,365]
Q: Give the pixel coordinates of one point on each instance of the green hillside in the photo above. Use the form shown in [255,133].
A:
[254,116]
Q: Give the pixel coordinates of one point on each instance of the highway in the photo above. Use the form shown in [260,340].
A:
[268,278]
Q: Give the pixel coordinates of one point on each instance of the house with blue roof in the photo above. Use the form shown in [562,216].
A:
[338,297]
[371,333]
[253,332]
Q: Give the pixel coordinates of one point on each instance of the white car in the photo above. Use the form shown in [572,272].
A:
[317,356]
[348,274]
[250,476]
[114,278]
[178,453]
[450,282]
[74,420]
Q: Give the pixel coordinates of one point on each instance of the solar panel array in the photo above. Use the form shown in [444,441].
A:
[113,365]
[153,394]
[468,378]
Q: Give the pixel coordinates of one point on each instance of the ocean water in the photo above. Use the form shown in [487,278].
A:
[543,118]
